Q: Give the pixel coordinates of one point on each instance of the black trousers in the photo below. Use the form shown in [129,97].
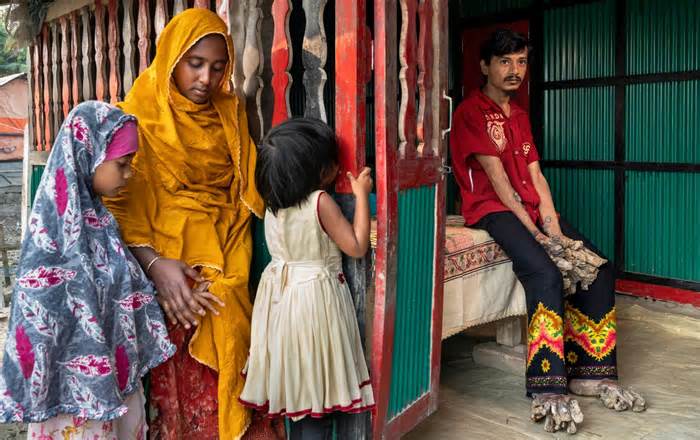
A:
[567,338]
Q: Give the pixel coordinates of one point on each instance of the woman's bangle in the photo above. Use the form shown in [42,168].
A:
[150,263]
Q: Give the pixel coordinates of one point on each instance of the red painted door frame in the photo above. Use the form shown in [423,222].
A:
[401,166]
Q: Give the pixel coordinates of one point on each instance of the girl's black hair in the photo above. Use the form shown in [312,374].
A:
[503,42]
[292,159]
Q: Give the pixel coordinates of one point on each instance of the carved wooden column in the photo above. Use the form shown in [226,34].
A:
[238,19]
[129,45]
[76,80]
[46,73]
[87,55]
[37,95]
[407,79]
[144,31]
[179,6]
[161,17]
[201,4]
[313,56]
[222,8]
[252,68]
[281,60]
[424,129]
[100,65]
[114,74]
[56,110]
[65,66]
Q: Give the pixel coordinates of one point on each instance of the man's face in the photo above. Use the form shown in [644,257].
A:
[506,72]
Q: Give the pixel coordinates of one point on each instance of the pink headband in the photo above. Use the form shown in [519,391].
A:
[124,141]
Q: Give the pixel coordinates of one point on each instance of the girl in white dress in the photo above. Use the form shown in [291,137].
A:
[306,356]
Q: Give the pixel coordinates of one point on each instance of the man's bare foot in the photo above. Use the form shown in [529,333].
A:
[559,411]
[610,393]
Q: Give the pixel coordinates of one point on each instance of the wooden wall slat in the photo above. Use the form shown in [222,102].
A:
[252,69]
[424,129]
[38,95]
[144,32]
[222,8]
[65,66]
[56,110]
[313,56]
[179,6]
[76,80]
[281,60]
[161,17]
[100,61]
[407,79]
[87,56]
[238,19]
[113,43]
[129,46]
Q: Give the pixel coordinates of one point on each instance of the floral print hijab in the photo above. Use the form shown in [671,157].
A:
[84,324]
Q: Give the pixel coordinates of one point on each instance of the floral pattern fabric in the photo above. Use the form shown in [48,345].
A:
[84,324]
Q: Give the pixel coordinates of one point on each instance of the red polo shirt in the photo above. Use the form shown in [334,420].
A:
[479,126]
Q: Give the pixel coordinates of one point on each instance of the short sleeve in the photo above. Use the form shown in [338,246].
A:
[529,148]
[469,135]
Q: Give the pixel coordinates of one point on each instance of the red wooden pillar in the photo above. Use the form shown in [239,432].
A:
[352,60]
[385,92]
[281,60]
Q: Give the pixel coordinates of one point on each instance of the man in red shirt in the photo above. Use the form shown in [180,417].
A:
[571,343]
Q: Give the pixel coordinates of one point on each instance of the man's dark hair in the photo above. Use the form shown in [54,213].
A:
[502,42]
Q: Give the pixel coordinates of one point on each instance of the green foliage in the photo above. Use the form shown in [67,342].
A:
[13,59]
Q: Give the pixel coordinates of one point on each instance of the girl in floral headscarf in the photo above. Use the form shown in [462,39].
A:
[84,325]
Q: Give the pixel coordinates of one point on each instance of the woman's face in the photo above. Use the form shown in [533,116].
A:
[199,72]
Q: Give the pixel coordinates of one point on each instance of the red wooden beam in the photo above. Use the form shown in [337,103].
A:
[385,92]
[114,74]
[409,419]
[655,291]
[281,60]
[351,77]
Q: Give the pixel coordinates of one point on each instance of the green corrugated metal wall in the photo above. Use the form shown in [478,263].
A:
[585,198]
[663,122]
[662,224]
[410,376]
[37,171]
[579,124]
[579,41]
[662,36]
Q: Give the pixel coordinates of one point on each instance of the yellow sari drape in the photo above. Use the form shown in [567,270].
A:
[191,198]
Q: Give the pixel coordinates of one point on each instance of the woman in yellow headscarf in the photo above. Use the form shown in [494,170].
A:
[186,215]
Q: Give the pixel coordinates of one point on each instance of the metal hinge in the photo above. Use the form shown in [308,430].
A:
[445,169]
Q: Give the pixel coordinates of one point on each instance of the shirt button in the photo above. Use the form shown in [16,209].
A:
[524,182]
